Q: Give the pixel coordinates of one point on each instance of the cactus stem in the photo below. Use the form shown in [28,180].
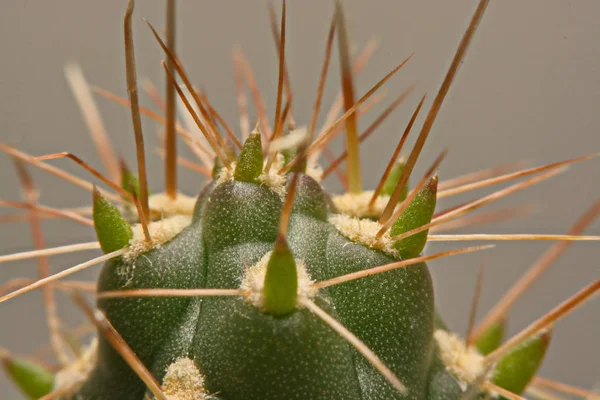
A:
[503,214]
[540,382]
[395,265]
[501,391]
[372,128]
[170,105]
[109,332]
[135,108]
[88,168]
[204,154]
[277,41]
[112,294]
[352,144]
[475,305]
[57,212]
[511,176]
[536,270]
[411,196]
[322,78]
[557,313]
[474,205]
[331,132]
[397,151]
[50,251]
[62,274]
[211,140]
[241,64]
[82,93]
[357,344]
[510,237]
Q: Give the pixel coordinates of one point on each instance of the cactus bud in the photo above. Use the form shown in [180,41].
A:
[281,280]
[32,378]
[129,181]
[112,229]
[516,369]
[392,181]
[418,213]
[491,338]
[250,162]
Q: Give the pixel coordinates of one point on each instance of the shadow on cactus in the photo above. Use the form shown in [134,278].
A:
[265,286]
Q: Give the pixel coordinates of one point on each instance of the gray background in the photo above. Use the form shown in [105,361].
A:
[528,89]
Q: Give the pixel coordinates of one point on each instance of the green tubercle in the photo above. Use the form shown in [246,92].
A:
[281,280]
[392,180]
[516,369]
[418,213]
[32,378]
[250,162]
[492,338]
[129,182]
[112,230]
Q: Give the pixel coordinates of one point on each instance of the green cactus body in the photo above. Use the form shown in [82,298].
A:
[246,353]
[298,294]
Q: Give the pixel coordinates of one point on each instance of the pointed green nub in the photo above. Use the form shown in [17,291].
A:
[33,379]
[250,162]
[516,369]
[113,231]
[289,154]
[281,280]
[392,180]
[129,181]
[491,339]
[418,213]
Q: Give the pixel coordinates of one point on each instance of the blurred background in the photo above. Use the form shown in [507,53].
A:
[529,89]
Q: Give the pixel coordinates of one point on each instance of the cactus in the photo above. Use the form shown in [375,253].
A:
[265,286]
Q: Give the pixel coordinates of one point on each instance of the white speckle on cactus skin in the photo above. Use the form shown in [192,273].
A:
[364,231]
[73,375]
[162,205]
[254,281]
[357,205]
[160,232]
[462,361]
[183,381]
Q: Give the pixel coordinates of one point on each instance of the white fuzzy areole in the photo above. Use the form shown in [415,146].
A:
[314,170]
[364,231]
[462,361]
[226,174]
[290,141]
[161,205]
[183,381]
[253,283]
[357,205]
[160,232]
[73,375]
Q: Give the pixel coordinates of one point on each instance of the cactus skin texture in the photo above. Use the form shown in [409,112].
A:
[268,236]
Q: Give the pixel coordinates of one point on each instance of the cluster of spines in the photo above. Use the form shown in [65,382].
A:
[408,215]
